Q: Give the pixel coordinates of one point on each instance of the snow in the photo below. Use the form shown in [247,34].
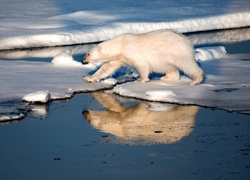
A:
[209,53]
[56,23]
[110,81]
[159,94]
[65,60]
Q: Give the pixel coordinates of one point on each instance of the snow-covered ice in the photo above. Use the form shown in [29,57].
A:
[65,60]
[209,53]
[55,23]
[37,97]
[111,81]
[158,95]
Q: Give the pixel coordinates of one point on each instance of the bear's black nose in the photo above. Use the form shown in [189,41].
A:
[84,62]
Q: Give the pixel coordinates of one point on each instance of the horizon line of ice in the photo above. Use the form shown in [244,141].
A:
[108,31]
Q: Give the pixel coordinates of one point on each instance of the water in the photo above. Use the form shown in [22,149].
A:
[172,143]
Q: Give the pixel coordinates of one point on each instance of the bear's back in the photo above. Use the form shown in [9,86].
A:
[166,38]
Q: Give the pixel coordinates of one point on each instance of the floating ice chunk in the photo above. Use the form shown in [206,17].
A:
[65,60]
[111,81]
[208,53]
[39,96]
[11,117]
[159,95]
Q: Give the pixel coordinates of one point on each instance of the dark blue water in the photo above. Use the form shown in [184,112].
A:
[64,145]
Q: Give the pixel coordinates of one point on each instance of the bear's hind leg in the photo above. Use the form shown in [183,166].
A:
[173,75]
[197,78]
[194,71]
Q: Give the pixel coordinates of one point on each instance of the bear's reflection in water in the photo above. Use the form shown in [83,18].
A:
[145,123]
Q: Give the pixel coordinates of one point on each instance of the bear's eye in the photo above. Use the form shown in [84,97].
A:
[88,54]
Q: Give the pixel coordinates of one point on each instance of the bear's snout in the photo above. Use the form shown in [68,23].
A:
[84,60]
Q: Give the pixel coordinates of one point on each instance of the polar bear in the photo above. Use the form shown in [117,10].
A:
[159,51]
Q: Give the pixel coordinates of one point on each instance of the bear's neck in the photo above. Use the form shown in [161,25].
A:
[114,47]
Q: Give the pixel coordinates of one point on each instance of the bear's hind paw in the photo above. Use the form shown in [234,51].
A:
[198,80]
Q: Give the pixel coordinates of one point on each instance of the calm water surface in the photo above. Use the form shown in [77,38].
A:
[86,138]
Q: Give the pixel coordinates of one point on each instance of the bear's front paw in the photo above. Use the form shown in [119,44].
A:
[90,79]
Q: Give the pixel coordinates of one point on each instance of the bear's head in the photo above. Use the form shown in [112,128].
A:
[92,56]
[104,52]
[98,54]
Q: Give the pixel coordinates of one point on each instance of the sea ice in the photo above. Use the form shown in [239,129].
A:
[209,53]
[37,97]
[111,81]
[23,79]
[94,22]
[159,94]
[65,60]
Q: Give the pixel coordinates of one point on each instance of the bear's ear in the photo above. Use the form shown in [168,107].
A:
[98,48]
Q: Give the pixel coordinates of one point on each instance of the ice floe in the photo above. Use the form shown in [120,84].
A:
[94,22]
[41,82]
[37,97]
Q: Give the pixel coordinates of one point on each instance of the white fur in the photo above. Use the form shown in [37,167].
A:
[158,51]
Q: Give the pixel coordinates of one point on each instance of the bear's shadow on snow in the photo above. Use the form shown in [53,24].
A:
[143,123]
[128,73]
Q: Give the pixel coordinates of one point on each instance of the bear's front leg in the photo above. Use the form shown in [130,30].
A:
[106,70]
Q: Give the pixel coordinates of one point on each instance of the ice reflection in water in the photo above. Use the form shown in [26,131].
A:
[39,110]
[145,123]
